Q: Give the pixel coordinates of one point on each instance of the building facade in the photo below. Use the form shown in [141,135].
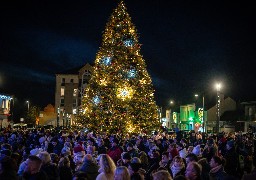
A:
[69,91]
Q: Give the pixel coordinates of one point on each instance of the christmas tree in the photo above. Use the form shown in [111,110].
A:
[120,95]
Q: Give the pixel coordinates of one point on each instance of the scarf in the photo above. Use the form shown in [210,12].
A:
[176,169]
[215,169]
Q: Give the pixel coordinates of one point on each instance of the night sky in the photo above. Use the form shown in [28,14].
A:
[188,46]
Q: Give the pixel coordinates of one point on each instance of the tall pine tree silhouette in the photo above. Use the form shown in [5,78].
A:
[120,94]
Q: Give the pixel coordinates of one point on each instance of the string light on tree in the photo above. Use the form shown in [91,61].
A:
[120,83]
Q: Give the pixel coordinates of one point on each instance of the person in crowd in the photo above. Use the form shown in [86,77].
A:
[135,170]
[79,154]
[8,168]
[144,160]
[191,158]
[165,161]
[217,170]
[50,169]
[107,168]
[121,173]
[101,148]
[32,170]
[205,168]
[193,171]
[162,175]
[197,151]
[177,167]
[90,149]
[231,158]
[55,146]
[64,168]
[89,167]
[125,159]
[139,144]
[153,163]
[115,151]
[173,151]
[252,175]
[54,158]
[133,152]
[210,149]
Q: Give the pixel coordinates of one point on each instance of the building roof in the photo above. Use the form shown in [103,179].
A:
[73,70]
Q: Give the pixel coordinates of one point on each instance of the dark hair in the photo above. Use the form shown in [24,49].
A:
[8,163]
[192,157]
[197,168]
[165,153]
[180,177]
[219,160]
[80,175]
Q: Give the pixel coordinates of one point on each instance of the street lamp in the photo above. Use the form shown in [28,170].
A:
[218,86]
[28,104]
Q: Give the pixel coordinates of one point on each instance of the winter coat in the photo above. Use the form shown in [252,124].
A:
[217,173]
[90,168]
[51,170]
[115,153]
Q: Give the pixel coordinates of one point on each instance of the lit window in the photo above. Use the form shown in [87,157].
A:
[75,92]
[62,91]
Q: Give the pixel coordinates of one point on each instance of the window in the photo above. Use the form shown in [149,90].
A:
[71,80]
[62,91]
[61,102]
[75,92]
[86,76]
[63,80]
[74,102]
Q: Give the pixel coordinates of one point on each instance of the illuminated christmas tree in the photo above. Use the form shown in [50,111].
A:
[120,95]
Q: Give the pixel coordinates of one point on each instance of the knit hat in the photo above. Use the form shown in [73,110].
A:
[79,150]
[197,150]
[231,143]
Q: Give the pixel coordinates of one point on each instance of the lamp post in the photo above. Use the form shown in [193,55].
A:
[218,86]
[28,104]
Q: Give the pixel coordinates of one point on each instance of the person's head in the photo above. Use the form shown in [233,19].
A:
[114,142]
[162,175]
[193,171]
[210,142]
[180,177]
[165,157]
[64,161]
[216,161]
[203,162]
[178,161]
[126,157]
[45,157]
[121,173]
[135,165]
[54,158]
[191,158]
[100,142]
[107,165]
[33,164]
[129,146]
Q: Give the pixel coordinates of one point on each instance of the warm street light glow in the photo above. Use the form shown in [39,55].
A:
[171,102]
[218,86]
[196,95]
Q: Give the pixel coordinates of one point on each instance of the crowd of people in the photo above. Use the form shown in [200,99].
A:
[41,154]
